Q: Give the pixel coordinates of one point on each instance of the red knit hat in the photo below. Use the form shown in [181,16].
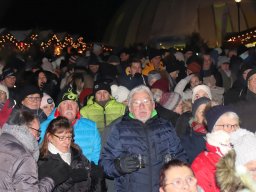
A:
[162,84]
[194,67]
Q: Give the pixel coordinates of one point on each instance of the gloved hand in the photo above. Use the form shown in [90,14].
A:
[96,171]
[78,175]
[58,170]
[127,164]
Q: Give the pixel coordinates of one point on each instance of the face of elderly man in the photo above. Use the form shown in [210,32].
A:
[68,109]
[141,106]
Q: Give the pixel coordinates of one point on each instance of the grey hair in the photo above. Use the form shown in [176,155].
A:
[153,75]
[140,88]
[231,115]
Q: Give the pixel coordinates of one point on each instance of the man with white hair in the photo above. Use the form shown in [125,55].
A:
[139,144]
[85,130]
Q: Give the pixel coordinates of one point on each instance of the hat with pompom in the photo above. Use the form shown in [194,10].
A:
[170,100]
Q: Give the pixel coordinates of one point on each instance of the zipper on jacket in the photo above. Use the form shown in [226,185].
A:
[149,152]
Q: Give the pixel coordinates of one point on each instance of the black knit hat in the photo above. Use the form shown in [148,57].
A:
[7,73]
[214,113]
[93,60]
[251,73]
[27,90]
[172,66]
[154,53]
[101,85]
[198,102]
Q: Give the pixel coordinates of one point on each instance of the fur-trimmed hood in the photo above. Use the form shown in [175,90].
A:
[232,178]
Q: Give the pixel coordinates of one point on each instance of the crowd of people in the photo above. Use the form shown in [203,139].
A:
[128,120]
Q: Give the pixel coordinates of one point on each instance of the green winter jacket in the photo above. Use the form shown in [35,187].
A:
[103,116]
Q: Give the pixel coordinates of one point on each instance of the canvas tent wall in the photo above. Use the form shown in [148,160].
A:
[147,20]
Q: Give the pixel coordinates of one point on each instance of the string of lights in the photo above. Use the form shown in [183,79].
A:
[247,38]
[58,45]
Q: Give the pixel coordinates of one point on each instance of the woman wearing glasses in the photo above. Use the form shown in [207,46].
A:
[58,146]
[177,176]
[221,121]
[29,98]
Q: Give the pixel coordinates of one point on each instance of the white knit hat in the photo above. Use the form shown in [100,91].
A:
[244,147]
[46,100]
[120,93]
[4,89]
[205,88]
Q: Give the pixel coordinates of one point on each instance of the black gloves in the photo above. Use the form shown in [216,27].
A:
[59,171]
[127,164]
[78,175]
[96,171]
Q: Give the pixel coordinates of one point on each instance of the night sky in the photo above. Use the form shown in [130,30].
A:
[89,18]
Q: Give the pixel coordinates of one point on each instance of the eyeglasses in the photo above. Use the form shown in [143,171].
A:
[62,138]
[32,99]
[137,103]
[228,126]
[179,183]
[37,130]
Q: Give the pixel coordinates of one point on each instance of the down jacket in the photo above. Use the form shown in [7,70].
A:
[155,140]
[18,155]
[103,116]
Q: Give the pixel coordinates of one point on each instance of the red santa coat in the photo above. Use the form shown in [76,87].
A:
[204,167]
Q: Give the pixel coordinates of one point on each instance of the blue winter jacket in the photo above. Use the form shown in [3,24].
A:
[155,140]
[86,135]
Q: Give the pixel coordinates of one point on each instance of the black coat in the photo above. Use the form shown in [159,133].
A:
[78,160]
[167,114]
[245,110]
[130,82]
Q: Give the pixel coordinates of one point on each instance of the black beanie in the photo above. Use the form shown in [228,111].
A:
[101,85]
[154,53]
[27,90]
[251,73]
[198,102]
[214,113]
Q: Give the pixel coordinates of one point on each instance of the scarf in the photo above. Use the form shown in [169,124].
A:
[64,156]
[197,127]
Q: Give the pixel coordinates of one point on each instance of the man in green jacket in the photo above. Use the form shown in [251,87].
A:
[102,108]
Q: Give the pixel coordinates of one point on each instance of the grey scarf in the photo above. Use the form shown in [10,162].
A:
[22,134]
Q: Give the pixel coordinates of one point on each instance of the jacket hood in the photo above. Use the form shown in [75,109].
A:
[232,178]
[22,134]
